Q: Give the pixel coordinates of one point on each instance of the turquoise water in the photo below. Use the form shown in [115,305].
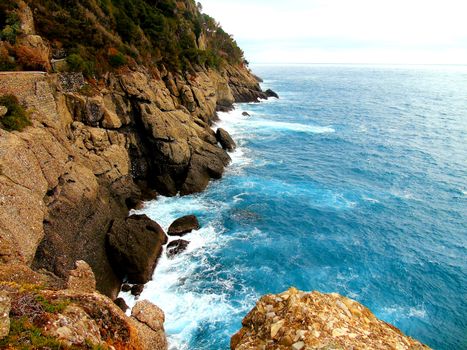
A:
[354,182]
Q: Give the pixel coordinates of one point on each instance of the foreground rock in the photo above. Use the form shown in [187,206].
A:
[42,317]
[298,320]
[183,225]
[226,141]
[134,245]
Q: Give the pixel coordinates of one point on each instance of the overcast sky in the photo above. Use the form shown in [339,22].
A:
[346,31]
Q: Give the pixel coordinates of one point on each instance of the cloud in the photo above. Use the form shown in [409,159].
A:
[424,30]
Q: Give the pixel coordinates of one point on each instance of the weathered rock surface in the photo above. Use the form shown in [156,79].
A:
[3,111]
[183,225]
[148,319]
[71,318]
[298,320]
[5,306]
[226,141]
[176,247]
[134,245]
[82,279]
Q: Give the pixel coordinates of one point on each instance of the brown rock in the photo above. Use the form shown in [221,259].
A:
[226,141]
[137,289]
[3,111]
[82,278]
[183,225]
[177,247]
[121,303]
[298,320]
[134,245]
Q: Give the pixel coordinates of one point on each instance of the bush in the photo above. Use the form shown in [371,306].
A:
[116,58]
[16,118]
[77,64]
[31,58]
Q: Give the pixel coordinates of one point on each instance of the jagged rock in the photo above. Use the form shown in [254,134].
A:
[298,320]
[270,93]
[82,278]
[176,247]
[225,140]
[183,225]
[246,114]
[3,111]
[137,289]
[5,305]
[121,303]
[134,245]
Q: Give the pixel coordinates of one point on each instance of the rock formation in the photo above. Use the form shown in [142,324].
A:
[134,245]
[225,140]
[183,225]
[298,320]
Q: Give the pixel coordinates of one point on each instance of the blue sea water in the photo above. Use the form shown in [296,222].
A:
[354,181]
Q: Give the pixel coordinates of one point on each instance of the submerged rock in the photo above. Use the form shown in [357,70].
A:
[134,245]
[298,320]
[177,247]
[183,225]
[246,114]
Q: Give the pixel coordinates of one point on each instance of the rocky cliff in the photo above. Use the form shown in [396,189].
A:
[94,149]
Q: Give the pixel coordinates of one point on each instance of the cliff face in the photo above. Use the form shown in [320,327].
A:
[97,148]
[92,156]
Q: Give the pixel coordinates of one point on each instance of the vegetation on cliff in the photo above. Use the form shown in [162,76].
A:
[16,117]
[101,35]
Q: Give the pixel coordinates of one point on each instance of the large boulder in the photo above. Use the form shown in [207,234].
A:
[134,245]
[183,225]
[298,320]
[226,141]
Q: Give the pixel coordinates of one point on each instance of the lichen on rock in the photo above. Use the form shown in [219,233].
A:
[298,320]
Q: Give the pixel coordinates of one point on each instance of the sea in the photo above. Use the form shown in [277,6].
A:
[354,182]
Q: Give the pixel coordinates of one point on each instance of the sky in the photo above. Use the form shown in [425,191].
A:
[346,31]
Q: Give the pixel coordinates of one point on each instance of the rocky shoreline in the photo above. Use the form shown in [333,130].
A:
[93,151]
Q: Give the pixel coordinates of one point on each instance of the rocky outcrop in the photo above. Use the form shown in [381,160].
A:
[298,320]
[134,245]
[226,141]
[270,93]
[47,317]
[183,225]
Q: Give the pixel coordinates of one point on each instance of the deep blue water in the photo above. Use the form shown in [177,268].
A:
[354,182]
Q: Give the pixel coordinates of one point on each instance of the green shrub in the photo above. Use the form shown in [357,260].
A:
[78,64]
[16,118]
[116,58]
